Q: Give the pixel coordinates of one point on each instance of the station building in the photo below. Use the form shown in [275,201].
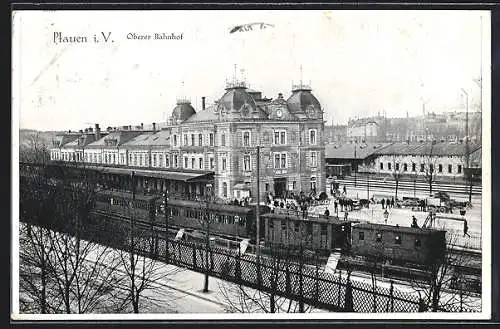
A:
[213,151]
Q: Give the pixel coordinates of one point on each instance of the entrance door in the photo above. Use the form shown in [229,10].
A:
[280,187]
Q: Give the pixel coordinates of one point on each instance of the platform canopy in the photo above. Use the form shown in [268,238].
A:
[183,176]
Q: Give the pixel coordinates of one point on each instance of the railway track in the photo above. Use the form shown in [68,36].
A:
[361,181]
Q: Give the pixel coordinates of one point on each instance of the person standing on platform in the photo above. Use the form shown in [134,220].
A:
[383,203]
[466,229]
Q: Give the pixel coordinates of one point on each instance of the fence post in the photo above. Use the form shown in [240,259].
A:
[339,285]
[194,257]
[317,278]
[348,304]
[391,292]
[301,279]
[238,266]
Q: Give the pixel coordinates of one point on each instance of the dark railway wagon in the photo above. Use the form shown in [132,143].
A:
[314,234]
[123,203]
[224,219]
[399,245]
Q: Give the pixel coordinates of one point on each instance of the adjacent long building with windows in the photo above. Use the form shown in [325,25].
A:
[214,150]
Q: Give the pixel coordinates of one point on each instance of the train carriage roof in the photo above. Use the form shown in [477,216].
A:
[127,195]
[401,229]
[212,206]
[331,220]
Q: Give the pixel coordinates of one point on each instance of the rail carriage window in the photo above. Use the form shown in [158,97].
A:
[397,239]
[378,237]
[323,229]
[361,236]
[418,243]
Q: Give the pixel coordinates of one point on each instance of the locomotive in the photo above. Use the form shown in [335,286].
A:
[399,245]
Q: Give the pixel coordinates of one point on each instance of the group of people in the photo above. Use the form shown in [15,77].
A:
[387,203]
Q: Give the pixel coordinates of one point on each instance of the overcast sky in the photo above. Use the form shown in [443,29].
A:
[359,63]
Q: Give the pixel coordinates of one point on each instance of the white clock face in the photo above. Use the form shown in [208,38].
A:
[279,113]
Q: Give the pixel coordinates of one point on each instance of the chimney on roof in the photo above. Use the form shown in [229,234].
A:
[130,127]
[203,103]
[97,132]
[154,127]
[80,131]
[280,96]
[142,126]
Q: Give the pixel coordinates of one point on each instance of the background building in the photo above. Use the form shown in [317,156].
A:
[219,140]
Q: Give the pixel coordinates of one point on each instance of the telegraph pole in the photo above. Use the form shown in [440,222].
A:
[467,155]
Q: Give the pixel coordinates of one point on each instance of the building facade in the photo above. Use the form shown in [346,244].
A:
[225,139]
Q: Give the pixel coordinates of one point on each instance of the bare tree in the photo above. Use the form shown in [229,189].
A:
[396,174]
[430,167]
[34,150]
[443,289]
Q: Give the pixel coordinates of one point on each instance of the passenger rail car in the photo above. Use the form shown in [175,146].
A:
[315,234]
[124,203]
[398,245]
[224,219]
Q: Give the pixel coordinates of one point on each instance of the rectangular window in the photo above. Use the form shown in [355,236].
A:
[418,243]
[381,166]
[212,166]
[223,139]
[397,166]
[276,161]
[397,239]
[135,159]
[361,236]
[405,167]
[192,139]
[200,140]
[312,136]
[267,187]
[440,168]
[459,169]
[154,160]
[323,229]
[314,159]
[246,138]
[224,164]
[160,160]
[294,185]
[431,168]
[186,162]
[200,162]
[450,167]
[211,139]
[185,139]
[246,163]
[175,140]
[192,163]
[422,167]
[413,167]
[282,137]
[389,165]
[176,161]
[283,160]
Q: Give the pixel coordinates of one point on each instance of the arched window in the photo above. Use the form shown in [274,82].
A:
[200,139]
